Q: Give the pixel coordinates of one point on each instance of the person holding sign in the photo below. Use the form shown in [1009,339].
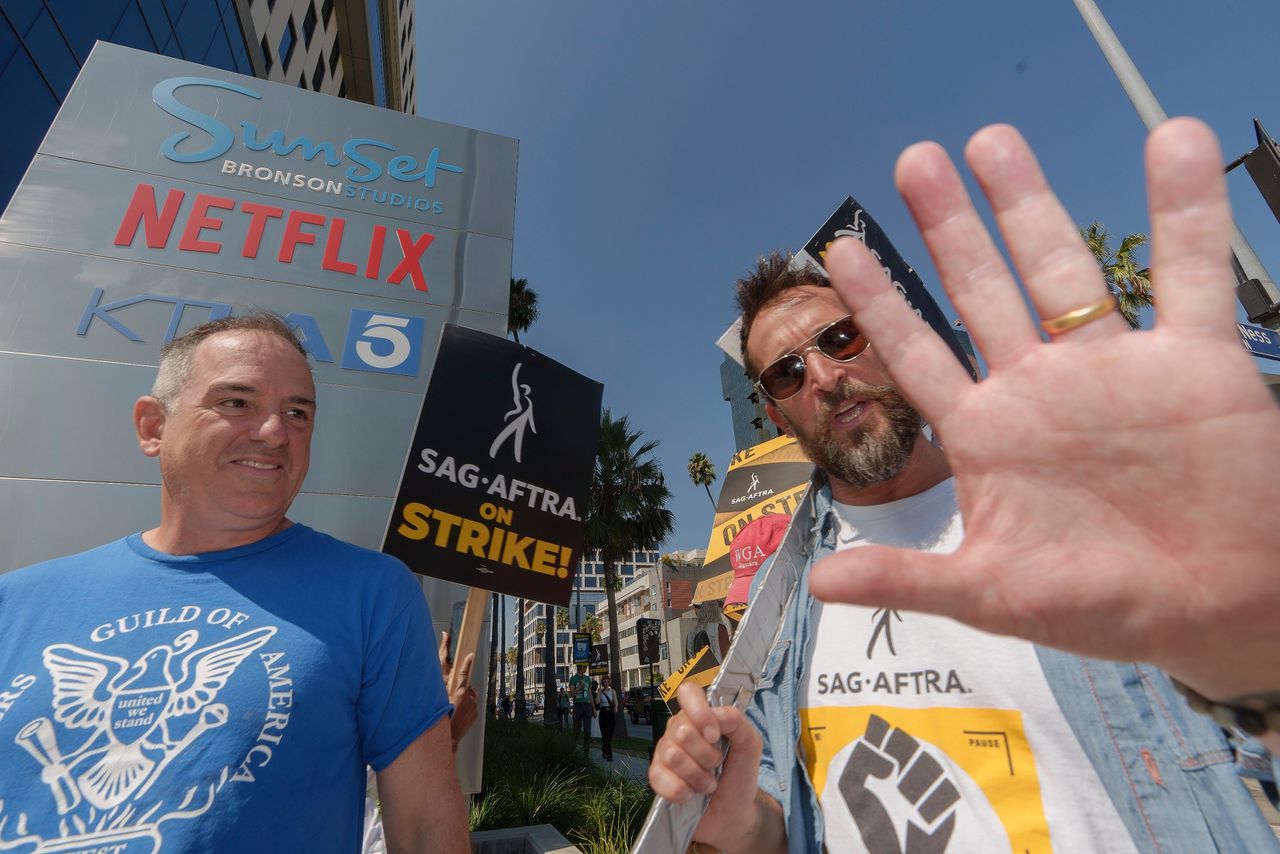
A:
[1096,492]
[220,681]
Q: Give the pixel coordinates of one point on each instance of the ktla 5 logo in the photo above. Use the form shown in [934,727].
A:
[376,341]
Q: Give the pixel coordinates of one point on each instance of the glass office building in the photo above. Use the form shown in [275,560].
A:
[43,43]
[358,49]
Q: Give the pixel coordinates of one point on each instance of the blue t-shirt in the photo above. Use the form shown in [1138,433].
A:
[227,701]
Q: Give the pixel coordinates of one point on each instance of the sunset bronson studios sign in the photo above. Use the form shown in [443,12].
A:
[166,194]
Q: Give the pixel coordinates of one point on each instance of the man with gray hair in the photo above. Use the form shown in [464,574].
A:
[220,681]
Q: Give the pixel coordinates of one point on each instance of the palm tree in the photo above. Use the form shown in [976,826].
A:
[550,674]
[703,473]
[1130,285]
[491,692]
[591,625]
[502,639]
[522,308]
[562,623]
[547,635]
[508,659]
[627,511]
[520,658]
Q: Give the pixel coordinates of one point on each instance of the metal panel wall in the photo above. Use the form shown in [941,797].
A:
[88,294]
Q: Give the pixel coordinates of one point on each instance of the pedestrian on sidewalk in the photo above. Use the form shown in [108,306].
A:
[607,701]
[562,707]
[584,709]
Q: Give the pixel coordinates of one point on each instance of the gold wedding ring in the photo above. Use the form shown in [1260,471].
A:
[1079,317]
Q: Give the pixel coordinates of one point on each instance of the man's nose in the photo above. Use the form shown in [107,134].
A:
[824,373]
[272,430]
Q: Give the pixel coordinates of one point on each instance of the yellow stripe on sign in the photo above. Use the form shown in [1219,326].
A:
[989,745]
[777,445]
[691,670]
[713,588]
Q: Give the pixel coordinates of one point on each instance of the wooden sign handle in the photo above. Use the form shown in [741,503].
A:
[469,631]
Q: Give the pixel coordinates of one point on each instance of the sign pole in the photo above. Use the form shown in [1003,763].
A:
[469,632]
[1244,262]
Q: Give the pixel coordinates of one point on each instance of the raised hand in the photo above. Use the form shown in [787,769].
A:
[457,684]
[1115,486]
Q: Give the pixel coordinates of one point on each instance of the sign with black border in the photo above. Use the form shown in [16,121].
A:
[495,489]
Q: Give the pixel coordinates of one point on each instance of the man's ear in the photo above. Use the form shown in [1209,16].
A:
[148,421]
[776,416]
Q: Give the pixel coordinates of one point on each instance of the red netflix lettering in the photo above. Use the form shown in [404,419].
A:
[332,246]
[374,264]
[260,214]
[412,252]
[293,233]
[200,220]
[301,228]
[142,209]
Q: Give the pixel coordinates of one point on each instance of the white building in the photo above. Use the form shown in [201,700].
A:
[588,598]
[352,49]
[662,591]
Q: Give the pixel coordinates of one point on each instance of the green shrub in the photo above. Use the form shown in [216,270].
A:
[612,817]
[491,810]
[535,774]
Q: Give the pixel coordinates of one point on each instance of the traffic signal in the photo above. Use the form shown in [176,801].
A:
[1263,164]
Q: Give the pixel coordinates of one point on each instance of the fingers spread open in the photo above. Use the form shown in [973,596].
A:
[1058,270]
[1190,228]
[916,358]
[972,269]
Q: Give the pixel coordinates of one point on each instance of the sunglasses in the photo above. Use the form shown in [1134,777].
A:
[839,341]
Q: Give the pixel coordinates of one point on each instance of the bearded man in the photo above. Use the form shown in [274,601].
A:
[877,730]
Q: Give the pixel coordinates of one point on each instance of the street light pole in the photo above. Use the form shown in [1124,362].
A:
[1251,276]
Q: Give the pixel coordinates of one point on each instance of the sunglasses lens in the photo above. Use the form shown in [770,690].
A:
[840,341]
[783,378]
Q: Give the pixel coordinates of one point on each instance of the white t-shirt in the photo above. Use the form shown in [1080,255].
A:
[920,733]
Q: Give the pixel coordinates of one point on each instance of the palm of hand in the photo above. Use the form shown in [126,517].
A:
[1055,558]
[1109,481]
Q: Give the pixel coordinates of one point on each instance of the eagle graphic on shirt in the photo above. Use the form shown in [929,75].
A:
[140,715]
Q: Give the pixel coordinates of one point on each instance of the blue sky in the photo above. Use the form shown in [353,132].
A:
[665,145]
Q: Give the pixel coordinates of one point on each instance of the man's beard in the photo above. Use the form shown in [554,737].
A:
[872,453]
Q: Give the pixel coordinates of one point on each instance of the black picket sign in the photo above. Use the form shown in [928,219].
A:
[852,220]
[494,492]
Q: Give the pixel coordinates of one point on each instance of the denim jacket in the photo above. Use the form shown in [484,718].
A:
[1172,774]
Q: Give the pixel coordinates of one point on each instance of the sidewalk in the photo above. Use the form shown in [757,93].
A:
[623,764]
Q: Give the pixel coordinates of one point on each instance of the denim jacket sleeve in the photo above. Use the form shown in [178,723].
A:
[773,708]
[1171,773]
